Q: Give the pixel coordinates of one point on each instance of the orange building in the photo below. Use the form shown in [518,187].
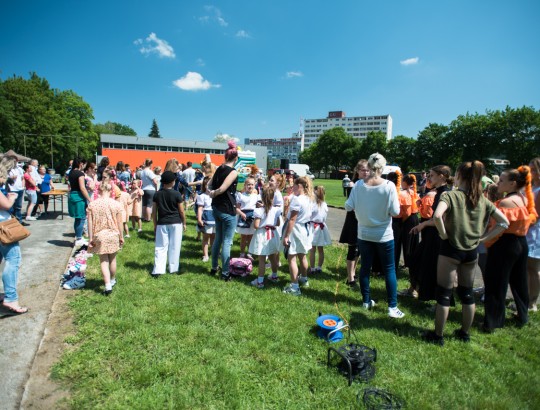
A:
[134,150]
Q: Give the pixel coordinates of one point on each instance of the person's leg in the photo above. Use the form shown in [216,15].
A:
[446,278]
[465,292]
[160,251]
[219,229]
[45,202]
[112,266]
[242,246]
[17,206]
[518,281]
[105,270]
[352,258]
[312,258]
[262,267]
[205,242]
[533,271]
[175,246]
[320,250]
[31,203]
[79,227]
[367,251]
[303,265]
[385,251]
[293,268]
[229,225]
[12,256]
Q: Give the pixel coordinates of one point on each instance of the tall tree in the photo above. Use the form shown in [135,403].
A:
[400,151]
[114,128]
[154,131]
[431,148]
[374,142]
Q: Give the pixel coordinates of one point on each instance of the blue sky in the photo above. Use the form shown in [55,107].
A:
[254,68]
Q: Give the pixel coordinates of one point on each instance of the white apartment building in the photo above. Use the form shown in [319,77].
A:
[358,127]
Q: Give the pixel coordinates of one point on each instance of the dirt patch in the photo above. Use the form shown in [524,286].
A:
[41,392]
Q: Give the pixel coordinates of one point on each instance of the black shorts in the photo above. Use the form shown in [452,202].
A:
[148,198]
[454,253]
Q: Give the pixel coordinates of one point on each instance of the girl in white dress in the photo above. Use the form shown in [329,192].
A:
[205,219]
[321,233]
[246,202]
[298,234]
[265,241]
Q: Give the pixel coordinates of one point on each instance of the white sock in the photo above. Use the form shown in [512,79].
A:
[108,287]
[274,274]
[113,282]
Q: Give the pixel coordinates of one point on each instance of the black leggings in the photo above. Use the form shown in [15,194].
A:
[352,252]
[506,264]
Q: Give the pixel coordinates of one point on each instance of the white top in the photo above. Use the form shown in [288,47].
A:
[147,176]
[205,201]
[35,175]
[189,175]
[374,207]
[247,201]
[16,174]
[278,201]
[269,219]
[320,213]
[304,206]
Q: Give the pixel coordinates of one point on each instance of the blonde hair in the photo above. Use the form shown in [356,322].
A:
[172,165]
[376,162]
[280,181]
[306,184]
[7,163]
[319,192]
[267,197]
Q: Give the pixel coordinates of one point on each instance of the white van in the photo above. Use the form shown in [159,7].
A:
[301,170]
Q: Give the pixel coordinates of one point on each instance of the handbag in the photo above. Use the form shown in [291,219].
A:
[12,231]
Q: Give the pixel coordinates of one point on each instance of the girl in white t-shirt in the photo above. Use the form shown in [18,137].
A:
[321,233]
[205,219]
[265,241]
[298,234]
[246,202]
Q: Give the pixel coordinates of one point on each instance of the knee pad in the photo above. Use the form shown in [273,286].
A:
[443,296]
[466,295]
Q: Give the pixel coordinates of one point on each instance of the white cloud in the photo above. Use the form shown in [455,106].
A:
[215,15]
[193,81]
[410,61]
[292,74]
[242,34]
[200,62]
[153,44]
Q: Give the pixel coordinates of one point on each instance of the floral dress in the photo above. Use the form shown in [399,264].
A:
[104,212]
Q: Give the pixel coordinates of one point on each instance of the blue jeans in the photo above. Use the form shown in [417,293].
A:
[12,254]
[225,226]
[385,251]
[17,205]
[78,225]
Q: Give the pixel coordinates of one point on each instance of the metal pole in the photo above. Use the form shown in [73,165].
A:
[52,155]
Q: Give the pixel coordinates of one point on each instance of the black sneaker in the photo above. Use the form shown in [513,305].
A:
[225,278]
[352,284]
[155,275]
[213,271]
[432,337]
[461,335]
[107,292]
[25,223]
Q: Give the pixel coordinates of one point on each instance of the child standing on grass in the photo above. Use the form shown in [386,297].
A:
[265,241]
[298,234]
[205,218]
[246,202]
[169,223]
[126,202]
[136,206]
[105,232]
[321,233]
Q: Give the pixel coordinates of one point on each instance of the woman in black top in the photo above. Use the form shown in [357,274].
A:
[78,197]
[222,191]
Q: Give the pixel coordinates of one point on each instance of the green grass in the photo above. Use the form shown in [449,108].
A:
[334,191]
[191,341]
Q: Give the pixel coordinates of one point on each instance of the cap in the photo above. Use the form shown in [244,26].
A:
[167,177]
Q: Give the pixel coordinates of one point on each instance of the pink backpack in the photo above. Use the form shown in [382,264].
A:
[240,266]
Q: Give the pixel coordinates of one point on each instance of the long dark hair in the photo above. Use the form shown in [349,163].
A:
[471,173]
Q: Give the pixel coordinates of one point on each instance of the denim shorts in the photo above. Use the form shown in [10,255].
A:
[32,196]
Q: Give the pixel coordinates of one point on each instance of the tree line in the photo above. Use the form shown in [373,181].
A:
[512,134]
[51,125]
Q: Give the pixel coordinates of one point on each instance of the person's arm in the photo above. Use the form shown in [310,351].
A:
[225,185]
[120,226]
[502,224]
[438,219]
[90,228]
[82,185]
[6,203]
[199,214]
[239,211]
[257,223]
[290,226]
[394,209]
[418,228]
[182,214]
[349,203]
[154,216]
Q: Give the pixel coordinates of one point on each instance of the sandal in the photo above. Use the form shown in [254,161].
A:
[14,311]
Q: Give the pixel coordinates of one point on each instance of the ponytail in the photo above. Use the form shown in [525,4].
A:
[525,173]
[398,180]
[410,180]
[319,194]
[471,173]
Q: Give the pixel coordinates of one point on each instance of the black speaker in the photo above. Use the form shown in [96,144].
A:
[284,163]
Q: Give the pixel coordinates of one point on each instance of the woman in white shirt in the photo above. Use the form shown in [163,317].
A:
[375,201]
[149,185]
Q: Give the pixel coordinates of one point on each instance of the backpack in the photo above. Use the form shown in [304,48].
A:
[240,266]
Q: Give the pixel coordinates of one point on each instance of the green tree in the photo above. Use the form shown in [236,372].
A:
[374,142]
[45,123]
[154,131]
[519,134]
[400,151]
[114,128]
[431,148]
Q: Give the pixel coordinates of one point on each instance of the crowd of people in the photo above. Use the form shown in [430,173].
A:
[443,228]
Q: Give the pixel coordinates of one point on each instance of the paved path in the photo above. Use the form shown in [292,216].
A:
[44,256]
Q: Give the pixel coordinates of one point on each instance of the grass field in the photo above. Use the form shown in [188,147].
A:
[191,341]
[334,191]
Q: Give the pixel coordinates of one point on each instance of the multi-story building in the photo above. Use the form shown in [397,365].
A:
[358,127]
[278,149]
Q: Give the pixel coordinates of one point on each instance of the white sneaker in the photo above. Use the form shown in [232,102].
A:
[257,284]
[113,282]
[76,282]
[205,259]
[289,290]
[369,305]
[395,313]
[31,218]
[303,280]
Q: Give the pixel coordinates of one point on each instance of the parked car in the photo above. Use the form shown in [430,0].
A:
[56,178]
